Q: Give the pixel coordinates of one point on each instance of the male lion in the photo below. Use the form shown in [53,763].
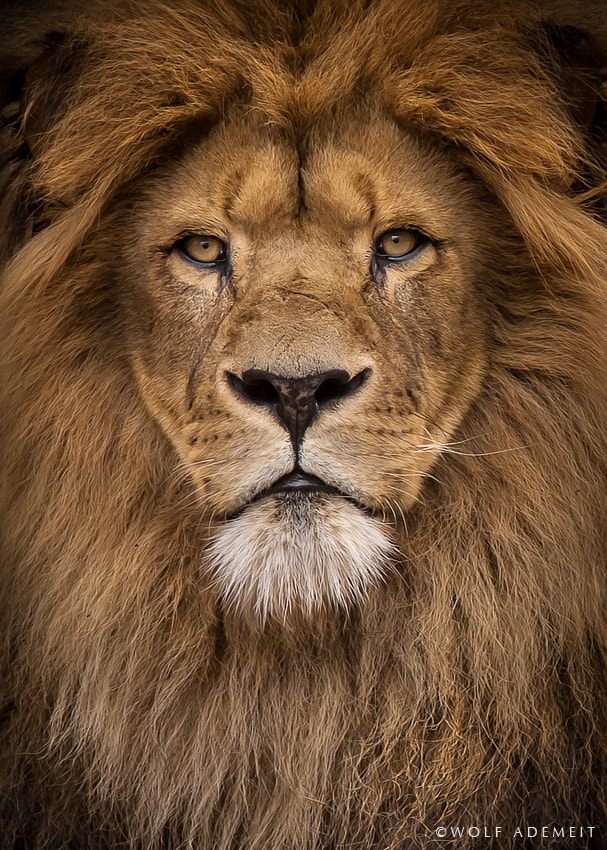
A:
[304,417]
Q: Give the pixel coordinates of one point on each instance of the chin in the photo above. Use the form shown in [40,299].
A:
[299,553]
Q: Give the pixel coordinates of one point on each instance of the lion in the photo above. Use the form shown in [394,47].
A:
[304,426]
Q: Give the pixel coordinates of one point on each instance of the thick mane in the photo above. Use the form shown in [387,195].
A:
[477,670]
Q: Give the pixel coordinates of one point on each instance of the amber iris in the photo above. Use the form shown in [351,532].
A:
[202,248]
[395,244]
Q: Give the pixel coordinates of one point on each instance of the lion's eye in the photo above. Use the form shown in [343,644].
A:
[202,249]
[398,244]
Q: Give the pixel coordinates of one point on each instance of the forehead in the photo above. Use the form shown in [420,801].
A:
[356,170]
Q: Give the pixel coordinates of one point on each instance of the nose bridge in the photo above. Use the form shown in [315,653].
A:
[293,332]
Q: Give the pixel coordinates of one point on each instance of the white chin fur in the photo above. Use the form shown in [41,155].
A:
[298,552]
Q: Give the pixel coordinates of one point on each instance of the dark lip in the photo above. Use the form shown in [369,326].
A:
[295,482]
[298,481]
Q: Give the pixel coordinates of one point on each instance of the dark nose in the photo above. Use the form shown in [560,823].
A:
[296,401]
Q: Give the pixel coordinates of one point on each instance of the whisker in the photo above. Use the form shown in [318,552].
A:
[447,449]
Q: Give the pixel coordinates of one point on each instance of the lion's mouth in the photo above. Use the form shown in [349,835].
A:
[298,481]
[298,485]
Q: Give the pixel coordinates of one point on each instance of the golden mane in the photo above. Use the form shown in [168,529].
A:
[471,687]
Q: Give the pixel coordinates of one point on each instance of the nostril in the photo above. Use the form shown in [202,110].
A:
[253,387]
[339,385]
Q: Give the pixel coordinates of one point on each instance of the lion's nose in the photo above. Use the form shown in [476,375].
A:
[296,401]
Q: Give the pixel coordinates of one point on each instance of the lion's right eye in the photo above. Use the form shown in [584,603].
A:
[206,250]
[399,244]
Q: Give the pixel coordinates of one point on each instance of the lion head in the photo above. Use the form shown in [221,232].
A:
[304,408]
[307,343]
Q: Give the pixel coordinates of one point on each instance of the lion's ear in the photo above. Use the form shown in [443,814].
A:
[582,69]
[33,84]
[45,86]
[35,78]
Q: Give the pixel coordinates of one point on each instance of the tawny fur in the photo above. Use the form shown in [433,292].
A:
[468,686]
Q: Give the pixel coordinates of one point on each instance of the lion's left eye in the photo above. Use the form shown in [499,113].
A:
[202,249]
[399,244]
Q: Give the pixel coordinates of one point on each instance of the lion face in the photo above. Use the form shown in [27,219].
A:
[307,328]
